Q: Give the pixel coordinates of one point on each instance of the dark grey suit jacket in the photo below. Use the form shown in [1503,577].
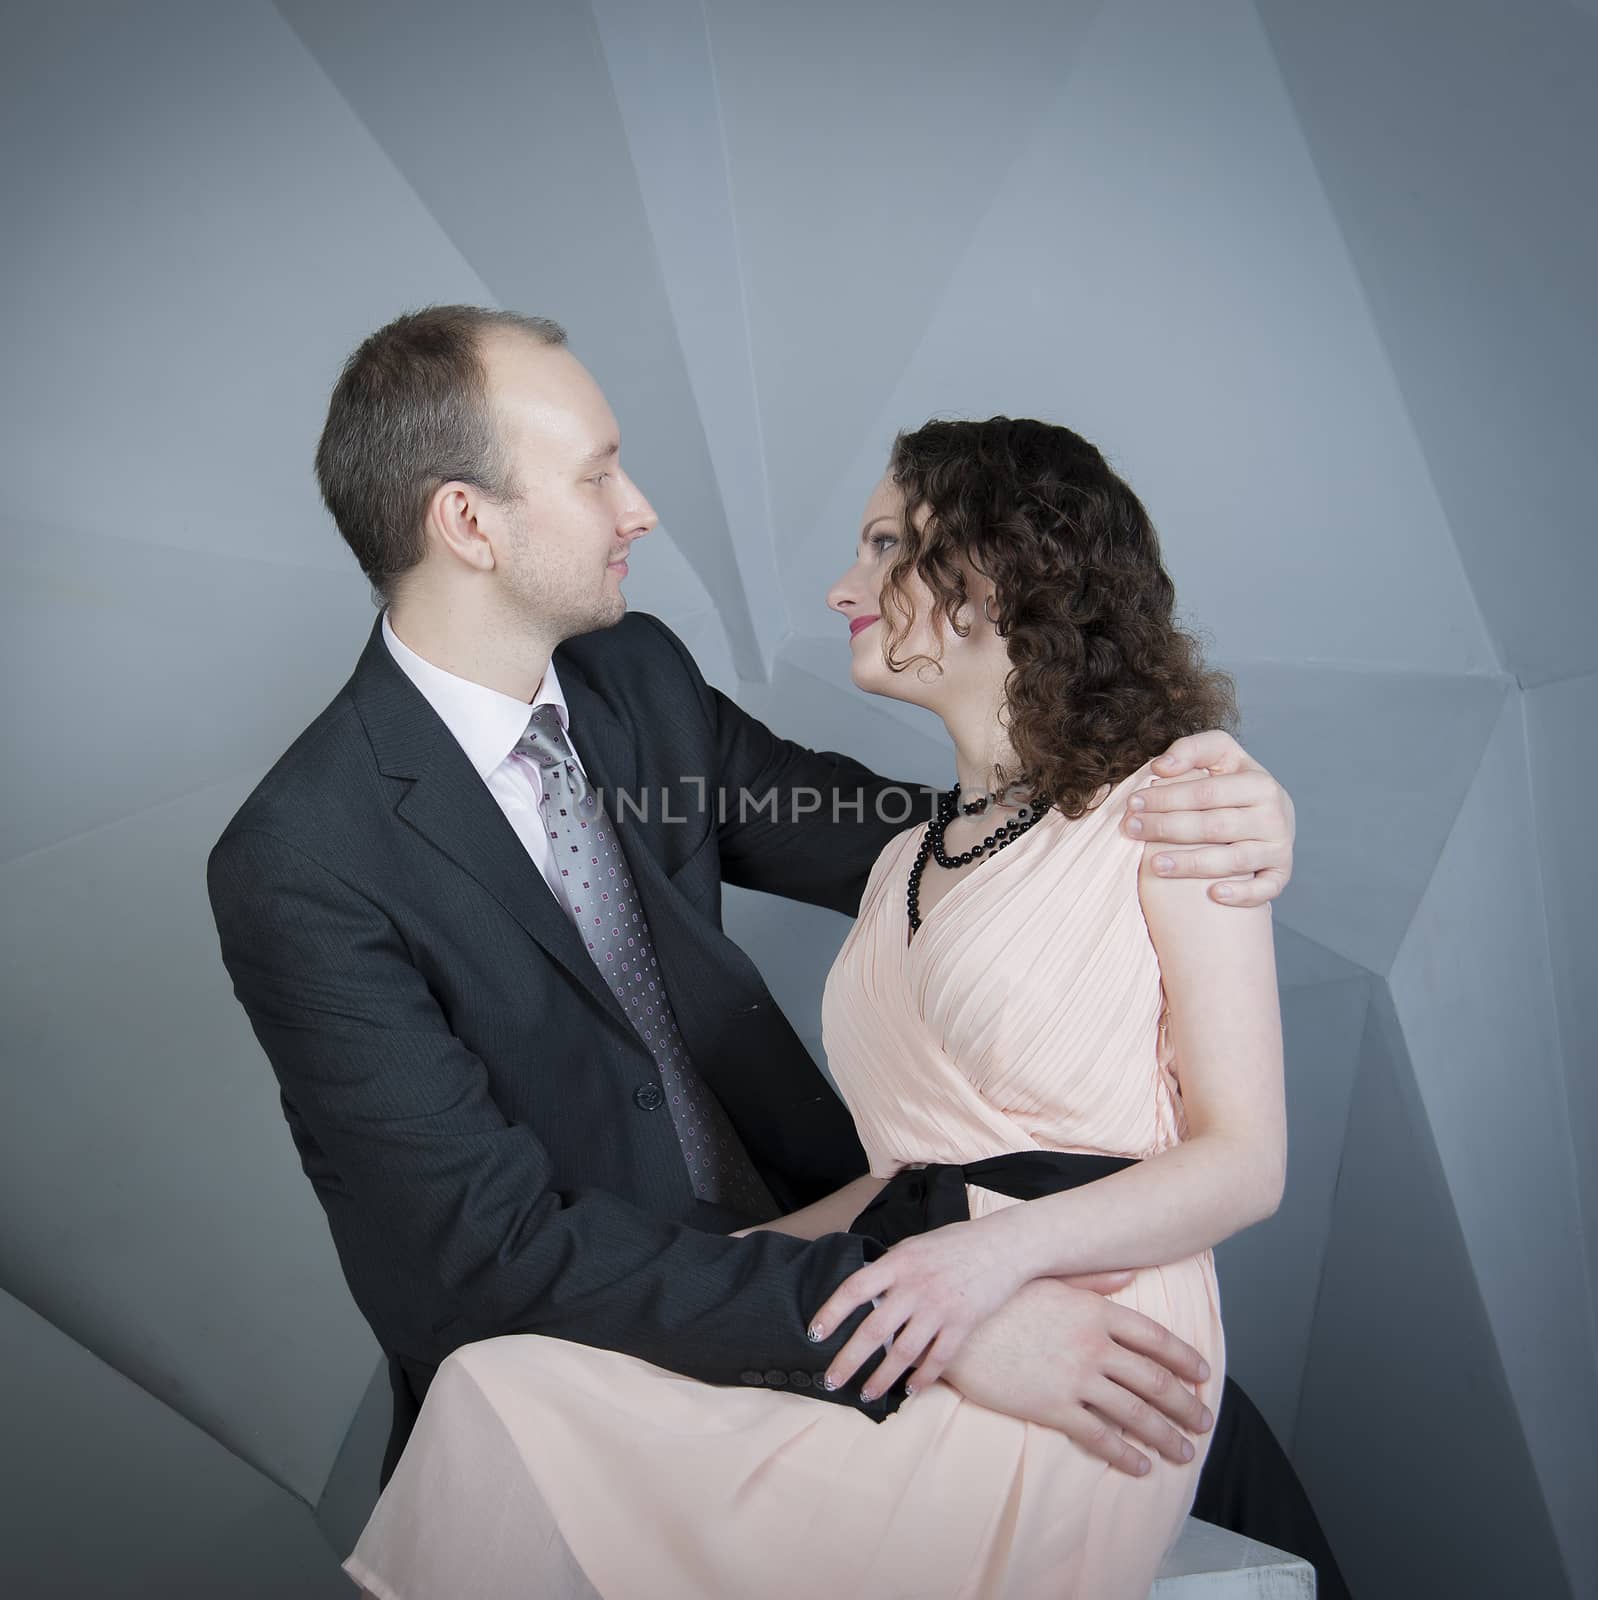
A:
[481,1123]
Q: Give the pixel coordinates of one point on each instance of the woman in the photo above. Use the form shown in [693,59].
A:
[1017,998]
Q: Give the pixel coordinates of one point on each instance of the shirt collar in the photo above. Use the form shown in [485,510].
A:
[486,723]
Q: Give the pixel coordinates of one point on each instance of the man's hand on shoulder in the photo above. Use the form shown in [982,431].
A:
[1236,818]
[1070,1359]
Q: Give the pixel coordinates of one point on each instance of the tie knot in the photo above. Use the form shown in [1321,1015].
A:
[546,743]
[545,740]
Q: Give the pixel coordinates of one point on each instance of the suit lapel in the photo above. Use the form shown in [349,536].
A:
[605,746]
[437,792]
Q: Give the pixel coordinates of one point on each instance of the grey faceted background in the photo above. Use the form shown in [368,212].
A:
[1320,280]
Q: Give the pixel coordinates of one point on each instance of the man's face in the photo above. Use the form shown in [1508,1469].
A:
[562,546]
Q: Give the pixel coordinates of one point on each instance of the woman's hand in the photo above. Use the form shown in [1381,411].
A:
[931,1291]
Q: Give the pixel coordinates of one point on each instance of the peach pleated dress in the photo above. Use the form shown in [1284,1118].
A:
[1027,1013]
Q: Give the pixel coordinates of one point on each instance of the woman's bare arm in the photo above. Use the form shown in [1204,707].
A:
[1219,969]
[831,1214]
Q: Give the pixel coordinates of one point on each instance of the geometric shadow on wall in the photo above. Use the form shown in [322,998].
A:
[107,1491]
[1379,761]
[1270,1274]
[1401,1337]
[352,1485]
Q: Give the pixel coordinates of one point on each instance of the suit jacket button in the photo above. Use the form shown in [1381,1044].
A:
[649,1096]
[776,1378]
[750,1377]
[799,1380]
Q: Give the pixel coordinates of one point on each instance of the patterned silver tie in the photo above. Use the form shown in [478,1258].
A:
[605,908]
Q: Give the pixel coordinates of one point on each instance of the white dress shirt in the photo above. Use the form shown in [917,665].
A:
[486,725]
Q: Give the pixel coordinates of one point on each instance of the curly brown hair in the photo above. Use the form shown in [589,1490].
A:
[1102,679]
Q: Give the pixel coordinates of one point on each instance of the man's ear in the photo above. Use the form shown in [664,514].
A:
[454,518]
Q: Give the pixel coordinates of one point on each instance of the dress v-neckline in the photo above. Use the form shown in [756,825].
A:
[960,882]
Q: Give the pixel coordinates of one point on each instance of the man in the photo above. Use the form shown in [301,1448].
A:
[507,1131]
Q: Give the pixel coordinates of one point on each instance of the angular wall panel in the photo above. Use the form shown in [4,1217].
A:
[1456,147]
[208,232]
[1473,993]
[108,1493]
[1408,1438]
[669,99]
[1270,1274]
[153,671]
[1378,763]
[864,151]
[1173,285]
[352,1486]
[1301,962]
[1560,719]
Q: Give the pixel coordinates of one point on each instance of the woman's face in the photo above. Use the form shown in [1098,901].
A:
[860,597]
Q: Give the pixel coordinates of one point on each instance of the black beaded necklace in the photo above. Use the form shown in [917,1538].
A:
[932,844]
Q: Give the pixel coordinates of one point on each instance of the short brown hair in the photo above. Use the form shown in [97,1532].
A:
[410,411]
[1102,678]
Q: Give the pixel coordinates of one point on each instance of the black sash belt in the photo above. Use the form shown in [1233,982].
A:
[917,1199]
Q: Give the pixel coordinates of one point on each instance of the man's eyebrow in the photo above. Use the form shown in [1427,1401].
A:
[603,453]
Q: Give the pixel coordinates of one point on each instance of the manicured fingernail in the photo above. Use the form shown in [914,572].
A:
[1135,825]
[1163,863]
[1136,803]
[1204,1369]
[813,1333]
[1142,1466]
[1187,1449]
[1224,892]
[868,1394]
[909,1388]
[829,1382]
[1207,1419]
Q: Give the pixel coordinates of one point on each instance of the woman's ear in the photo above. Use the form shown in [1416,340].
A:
[984,599]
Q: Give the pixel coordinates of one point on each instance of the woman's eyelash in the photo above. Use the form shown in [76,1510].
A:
[599,478]
[881,541]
